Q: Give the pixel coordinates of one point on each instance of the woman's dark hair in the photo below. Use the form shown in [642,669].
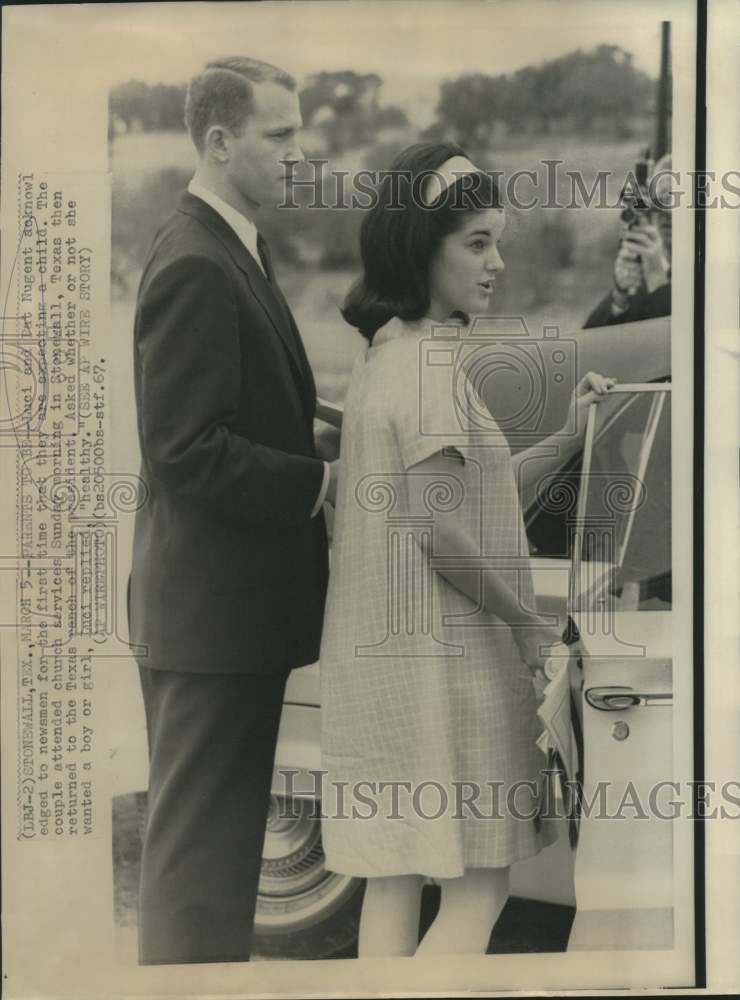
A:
[400,235]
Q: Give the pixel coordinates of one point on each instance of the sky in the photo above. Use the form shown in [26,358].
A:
[168,42]
[412,44]
[400,37]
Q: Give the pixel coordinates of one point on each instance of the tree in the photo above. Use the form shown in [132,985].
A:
[345,106]
[468,106]
[148,108]
[580,90]
[605,86]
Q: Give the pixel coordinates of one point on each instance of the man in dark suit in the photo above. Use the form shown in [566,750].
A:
[230,553]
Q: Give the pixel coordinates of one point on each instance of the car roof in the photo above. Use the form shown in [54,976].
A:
[629,352]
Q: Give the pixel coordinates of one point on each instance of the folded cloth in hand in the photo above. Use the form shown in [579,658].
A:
[559,743]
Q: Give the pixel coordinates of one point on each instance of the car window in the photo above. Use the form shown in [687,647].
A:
[549,522]
[644,576]
[550,515]
[624,519]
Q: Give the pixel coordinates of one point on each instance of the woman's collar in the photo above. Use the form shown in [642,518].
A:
[397,327]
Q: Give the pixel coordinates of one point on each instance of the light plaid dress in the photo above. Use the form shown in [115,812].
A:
[421,689]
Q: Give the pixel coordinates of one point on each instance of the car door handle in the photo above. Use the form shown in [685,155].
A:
[618,697]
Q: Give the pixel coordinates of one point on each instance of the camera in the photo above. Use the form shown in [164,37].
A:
[505,384]
[636,205]
[635,196]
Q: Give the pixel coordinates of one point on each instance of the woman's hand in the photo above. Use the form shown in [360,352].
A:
[534,642]
[591,389]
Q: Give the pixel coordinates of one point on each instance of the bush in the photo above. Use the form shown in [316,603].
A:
[537,247]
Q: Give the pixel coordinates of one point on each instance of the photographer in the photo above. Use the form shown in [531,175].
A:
[642,269]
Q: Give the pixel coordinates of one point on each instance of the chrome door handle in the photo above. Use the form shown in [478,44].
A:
[618,697]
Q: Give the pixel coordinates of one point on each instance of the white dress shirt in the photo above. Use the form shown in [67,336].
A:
[247,233]
[244,228]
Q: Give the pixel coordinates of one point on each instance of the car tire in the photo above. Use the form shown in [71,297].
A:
[303,910]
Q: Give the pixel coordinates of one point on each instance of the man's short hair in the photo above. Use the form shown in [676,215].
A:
[222,94]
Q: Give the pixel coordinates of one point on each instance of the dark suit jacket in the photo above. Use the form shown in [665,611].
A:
[229,569]
[647,305]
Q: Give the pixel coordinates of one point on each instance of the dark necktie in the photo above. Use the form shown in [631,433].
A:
[264,253]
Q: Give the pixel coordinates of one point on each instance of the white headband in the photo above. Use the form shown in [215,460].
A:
[446,175]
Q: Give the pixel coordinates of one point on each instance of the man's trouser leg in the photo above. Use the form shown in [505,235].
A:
[211,745]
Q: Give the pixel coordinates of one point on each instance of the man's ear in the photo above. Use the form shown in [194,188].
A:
[216,143]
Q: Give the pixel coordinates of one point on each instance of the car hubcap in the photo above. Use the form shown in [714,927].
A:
[295,889]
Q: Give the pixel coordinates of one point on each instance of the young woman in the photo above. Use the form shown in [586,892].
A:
[431,633]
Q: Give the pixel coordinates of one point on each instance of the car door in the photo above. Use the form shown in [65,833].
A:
[621,601]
